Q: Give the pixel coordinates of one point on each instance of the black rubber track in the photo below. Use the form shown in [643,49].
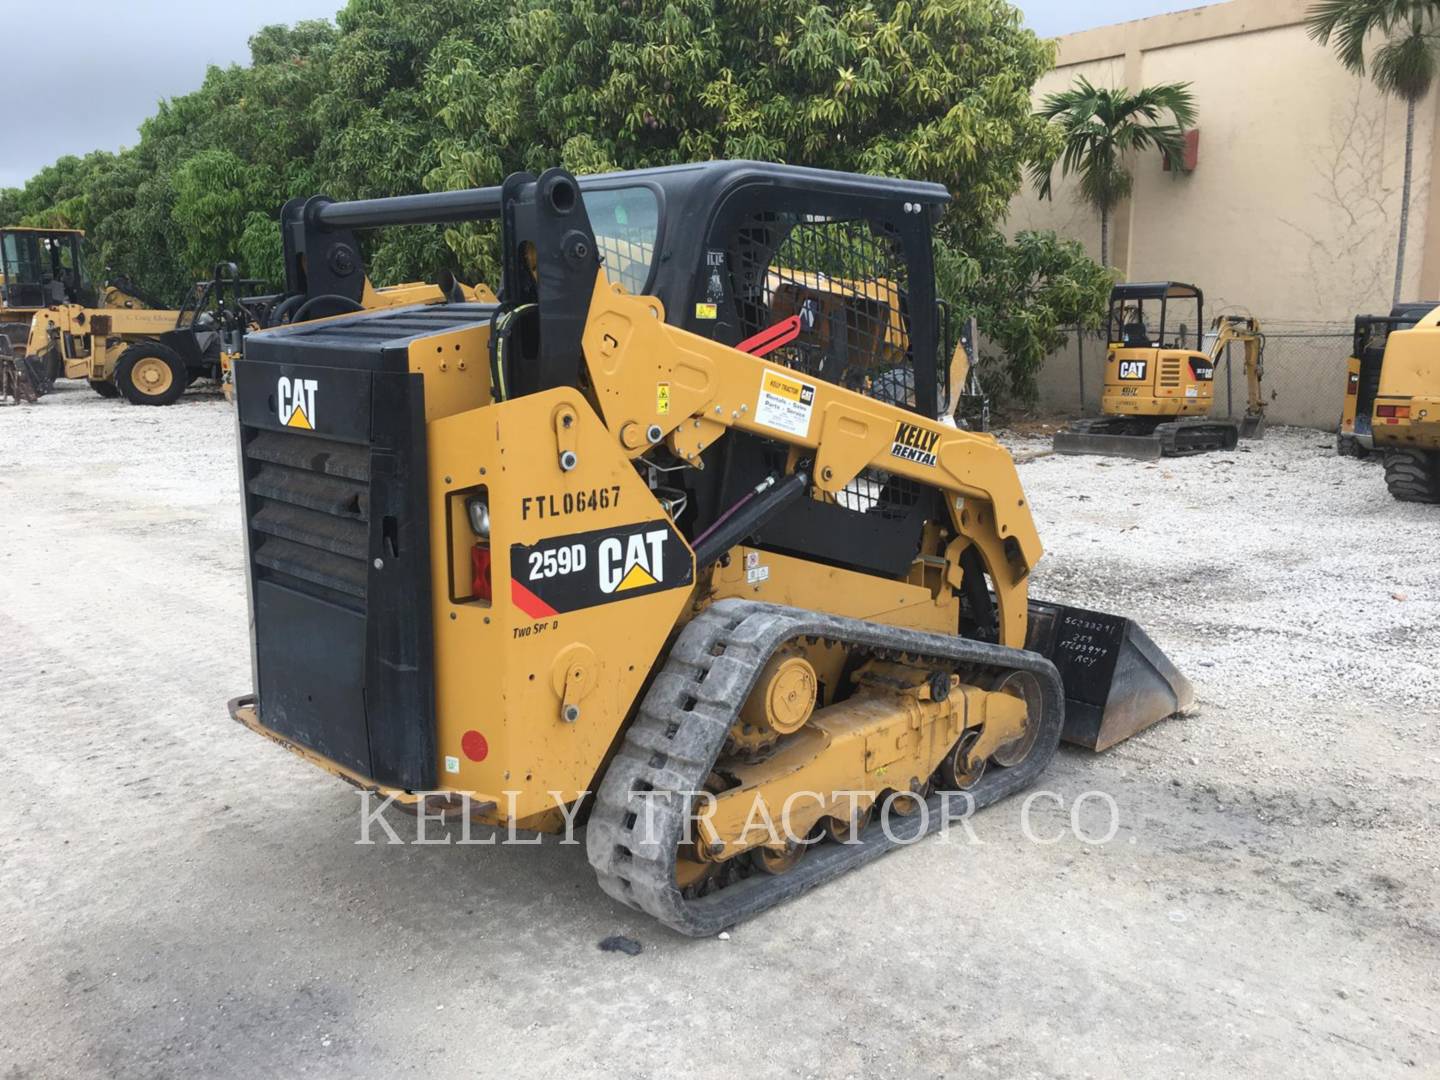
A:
[640,813]
[1182,438]
[1173,438]
[1413,475]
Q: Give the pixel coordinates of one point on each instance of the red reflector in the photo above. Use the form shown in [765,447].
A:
[480,572]
[474,746]
[1402,411]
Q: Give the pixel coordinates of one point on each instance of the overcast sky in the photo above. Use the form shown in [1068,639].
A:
[91,90]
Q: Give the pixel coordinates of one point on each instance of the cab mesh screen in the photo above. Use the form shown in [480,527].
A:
[846,281]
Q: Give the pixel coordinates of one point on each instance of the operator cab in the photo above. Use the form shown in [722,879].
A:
[1155,366]
[825,275]
[1156,315]
[40,268]
[830,274]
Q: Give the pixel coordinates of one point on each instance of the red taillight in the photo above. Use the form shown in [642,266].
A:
[480,572]
[1399,412]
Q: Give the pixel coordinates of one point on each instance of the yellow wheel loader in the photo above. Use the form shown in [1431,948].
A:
[652,544]
[1159,385]
[38,268]
[1405,424]
[1362,374]
[123,343]
[148,356]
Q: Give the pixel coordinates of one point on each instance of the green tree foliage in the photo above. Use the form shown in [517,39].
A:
[937,90]
[404,95]
[1099,129]
[1030,292]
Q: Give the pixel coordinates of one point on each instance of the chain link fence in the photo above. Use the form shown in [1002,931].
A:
[1304,374]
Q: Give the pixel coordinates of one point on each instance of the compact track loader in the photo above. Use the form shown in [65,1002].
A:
[1159,391]
[1362,374]
[1405,425]
[668,539]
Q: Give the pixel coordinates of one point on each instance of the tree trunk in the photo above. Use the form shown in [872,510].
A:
[1105,236]
[1405,199]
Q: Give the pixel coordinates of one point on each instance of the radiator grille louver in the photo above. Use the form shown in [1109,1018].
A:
[1170,373]
[310,516]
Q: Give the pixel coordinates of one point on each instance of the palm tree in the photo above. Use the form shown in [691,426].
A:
[1100,128]
[1403,65]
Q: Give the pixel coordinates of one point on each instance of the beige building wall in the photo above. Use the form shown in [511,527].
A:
[1293,211]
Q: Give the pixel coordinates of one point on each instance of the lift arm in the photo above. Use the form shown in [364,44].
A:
[712,388]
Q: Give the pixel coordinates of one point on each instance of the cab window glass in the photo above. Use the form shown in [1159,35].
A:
[626,222]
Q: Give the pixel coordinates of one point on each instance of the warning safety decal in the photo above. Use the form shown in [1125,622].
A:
[581,570]
[785,403]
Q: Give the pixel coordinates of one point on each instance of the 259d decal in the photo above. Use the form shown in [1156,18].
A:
[580,570]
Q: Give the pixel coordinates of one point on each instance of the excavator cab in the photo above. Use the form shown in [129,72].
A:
[39,268]
[1153,365]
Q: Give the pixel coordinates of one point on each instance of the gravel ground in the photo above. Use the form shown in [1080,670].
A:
[183,899]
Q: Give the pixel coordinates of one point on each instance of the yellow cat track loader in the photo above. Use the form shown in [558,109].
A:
[1362,374]
[1405,424]
[668,540]
[1159,391]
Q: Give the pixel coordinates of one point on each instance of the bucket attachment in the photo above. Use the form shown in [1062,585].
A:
[1137,447]
[1117,681]
[23,379]
[1252,426]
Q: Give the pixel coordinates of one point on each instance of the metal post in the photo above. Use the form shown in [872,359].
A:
[1080,351]
[1229,384]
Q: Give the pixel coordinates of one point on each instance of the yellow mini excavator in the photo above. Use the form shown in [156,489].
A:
[1159,385]
[656,544]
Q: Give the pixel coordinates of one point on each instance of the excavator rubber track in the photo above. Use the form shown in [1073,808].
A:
[639,818]
[1124,437]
